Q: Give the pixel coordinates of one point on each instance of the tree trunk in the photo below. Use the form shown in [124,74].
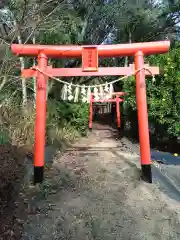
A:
[24,90]
[128,59]
[124,110]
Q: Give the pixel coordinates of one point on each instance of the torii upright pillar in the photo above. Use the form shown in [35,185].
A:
[143,118]
[40,124]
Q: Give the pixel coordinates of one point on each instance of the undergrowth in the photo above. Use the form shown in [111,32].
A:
[64,123]
[4,138]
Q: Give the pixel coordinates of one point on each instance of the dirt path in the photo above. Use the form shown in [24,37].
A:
[11,176]
[93,192]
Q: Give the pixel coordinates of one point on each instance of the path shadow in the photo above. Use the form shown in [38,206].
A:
[166,184]
[12,171]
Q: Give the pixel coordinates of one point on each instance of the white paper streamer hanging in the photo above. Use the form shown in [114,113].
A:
[96,94]
[106,91]
[70,96]
[89,94]
[83,94]
[64,92]
[106,88]
[76,94]
[111,90]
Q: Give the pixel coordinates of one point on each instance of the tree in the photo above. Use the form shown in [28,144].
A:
[8,19]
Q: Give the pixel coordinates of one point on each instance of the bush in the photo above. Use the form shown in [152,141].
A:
[68,114]
[65,122]
[165,100]
[163,95]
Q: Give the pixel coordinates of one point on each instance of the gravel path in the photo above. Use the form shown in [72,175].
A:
[93,192]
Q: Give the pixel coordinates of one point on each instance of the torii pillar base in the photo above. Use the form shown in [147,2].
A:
[146,173]
[38,174]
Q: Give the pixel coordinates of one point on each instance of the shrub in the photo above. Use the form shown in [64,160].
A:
[65,122]
[66,114]
[163,95]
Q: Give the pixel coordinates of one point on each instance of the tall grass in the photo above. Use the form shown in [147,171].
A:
[65,122]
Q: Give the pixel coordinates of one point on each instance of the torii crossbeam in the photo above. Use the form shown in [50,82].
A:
[90,55]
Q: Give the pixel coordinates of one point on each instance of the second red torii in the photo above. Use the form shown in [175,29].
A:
[116,100]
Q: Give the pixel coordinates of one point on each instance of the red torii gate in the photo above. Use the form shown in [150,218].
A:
[90,55]
[116,100]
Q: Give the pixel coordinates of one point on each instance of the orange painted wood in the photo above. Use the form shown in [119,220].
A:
[102,71]
[65,51]
[89,59]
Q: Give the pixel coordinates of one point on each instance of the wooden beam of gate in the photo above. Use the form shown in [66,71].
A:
[112,94]
[116,50]
[111,100]
[78,72]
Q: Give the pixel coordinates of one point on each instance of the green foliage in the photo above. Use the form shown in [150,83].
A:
[4,138]
[72,114]
[165,100]
[163,95]
[130,88]
[80,117]
[65,122]
[64,30]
